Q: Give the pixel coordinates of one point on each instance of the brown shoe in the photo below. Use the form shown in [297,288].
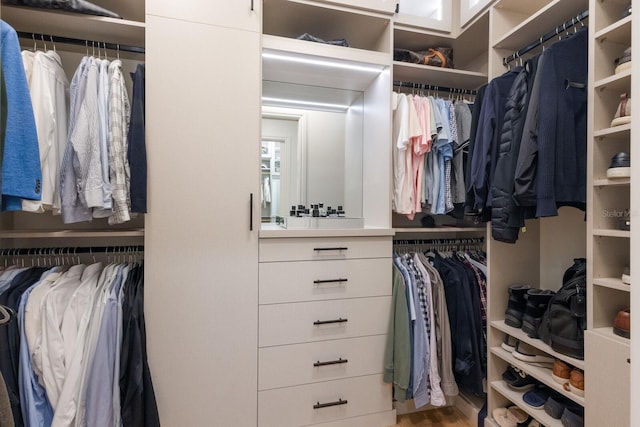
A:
[561,371]
[576,382]
[622,323]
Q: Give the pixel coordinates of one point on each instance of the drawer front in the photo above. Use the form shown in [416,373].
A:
[289,365]
[324,248]
[381,419]
[321,280]
[323,320]
[363,395]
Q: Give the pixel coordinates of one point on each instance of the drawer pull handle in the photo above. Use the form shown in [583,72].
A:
[320,282]
[329,404]
[327,322]
[330,249]
[628,360]
[331,362]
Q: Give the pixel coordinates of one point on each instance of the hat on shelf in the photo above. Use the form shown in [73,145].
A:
[624,62]
[620,166]
[623,112]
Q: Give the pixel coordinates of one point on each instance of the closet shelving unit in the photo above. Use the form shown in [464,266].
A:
[547,246]
[609,248]
[19,229]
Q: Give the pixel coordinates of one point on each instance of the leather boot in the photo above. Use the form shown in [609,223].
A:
[537,302]
[516,305]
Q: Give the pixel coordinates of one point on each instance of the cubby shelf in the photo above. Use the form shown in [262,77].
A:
[620,82]
[608,332]
[611,233]
[516,397]
[612,283]
[604,182]
[616,132]
[618,32]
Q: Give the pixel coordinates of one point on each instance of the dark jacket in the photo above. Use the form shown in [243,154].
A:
[504,210]
[475,119]
[485,151]
[561,136]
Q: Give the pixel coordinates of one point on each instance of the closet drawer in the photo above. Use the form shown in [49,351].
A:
[322,320]
[323,248]
[289,365]
[363,395]
[319,280]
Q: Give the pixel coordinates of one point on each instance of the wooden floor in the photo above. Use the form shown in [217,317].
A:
[443,417]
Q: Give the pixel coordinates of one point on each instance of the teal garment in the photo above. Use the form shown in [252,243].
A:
[397,355]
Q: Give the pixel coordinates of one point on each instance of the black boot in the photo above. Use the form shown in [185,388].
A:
[516,305]
[537,302]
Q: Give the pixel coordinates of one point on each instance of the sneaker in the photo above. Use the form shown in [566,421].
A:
[561,372]
[509,343]
[622,324]
[537,302]
[623,112]
[572,417]
[530,354]
[516,305]
[557,403]
[623,63]
[620,166]
[518,379]
[510,417]
[576,382]
[626,276]
[537,396]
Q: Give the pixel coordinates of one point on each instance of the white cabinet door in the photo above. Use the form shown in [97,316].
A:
[385,6]
[201,259]
[470,8]
[240,14]
[607,383]
[430,14]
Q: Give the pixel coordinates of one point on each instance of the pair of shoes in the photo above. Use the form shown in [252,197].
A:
[518,379]
[516,305]
[511,417]
[572,417]
[622,323]
[576,382]
[525,308]
[556,405]
[623,112]
[537,396]
[525,352]
[620,166]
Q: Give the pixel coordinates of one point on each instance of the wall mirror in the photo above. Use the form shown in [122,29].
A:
[311,149]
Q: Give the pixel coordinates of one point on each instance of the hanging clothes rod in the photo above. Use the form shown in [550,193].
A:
[555,33]
[424,86]
[459,241]
[80,42]
[116,250]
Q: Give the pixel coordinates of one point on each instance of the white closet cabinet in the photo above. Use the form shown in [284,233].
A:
[239,14]
[201,259]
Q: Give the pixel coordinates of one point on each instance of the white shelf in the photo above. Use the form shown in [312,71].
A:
[440,230]
[618,83]
[612,283]
[75,25]
[437,76]
[540,21]
[616,132]
[541,374]
[618,32]
[539,344]
[605,182]
[608,333]
[612,233]
[38,234]
[516,398]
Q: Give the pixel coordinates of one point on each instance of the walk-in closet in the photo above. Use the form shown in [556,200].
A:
[332,213]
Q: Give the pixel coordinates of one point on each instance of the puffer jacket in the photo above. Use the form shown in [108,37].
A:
[506,216]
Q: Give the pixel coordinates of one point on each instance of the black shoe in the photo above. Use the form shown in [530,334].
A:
[517,379]
[537,302]
[627,11]
[556,405]
[516,305]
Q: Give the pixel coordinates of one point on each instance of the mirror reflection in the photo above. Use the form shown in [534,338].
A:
[311,150]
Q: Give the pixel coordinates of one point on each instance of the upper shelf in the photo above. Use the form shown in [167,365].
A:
[75,25]
[437,76]
[538,21]
[618,32]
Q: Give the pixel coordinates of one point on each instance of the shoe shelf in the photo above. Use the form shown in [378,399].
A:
[539,373]
[622,132]
[605,182]
[612,233]
[516,398]
[612,283]
[618,32]
[607,332]
[539,344]
[618,83]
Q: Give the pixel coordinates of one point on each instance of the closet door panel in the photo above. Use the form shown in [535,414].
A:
[298,402]
[319,280]
[289,365]
[201,259]
[239,14]
[323,320]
